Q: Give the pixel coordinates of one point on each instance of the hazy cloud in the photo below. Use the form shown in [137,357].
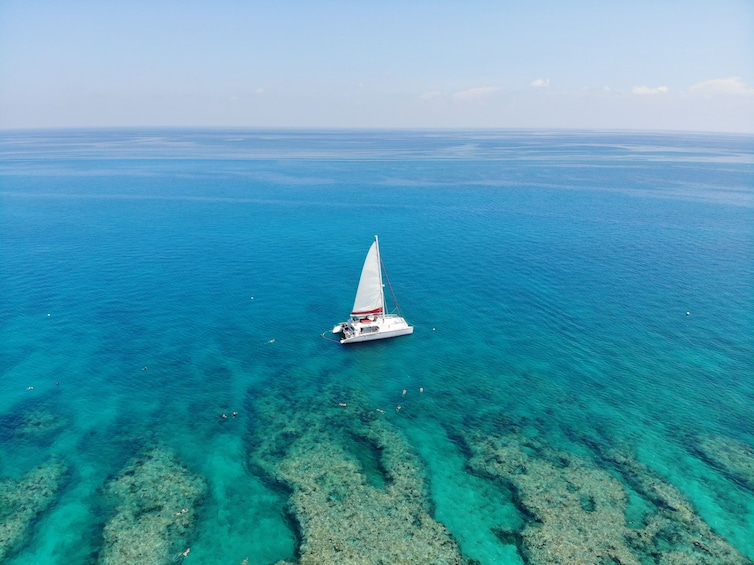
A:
[540,83]
[476,93]
[430,95]
[733,85]
[647,90]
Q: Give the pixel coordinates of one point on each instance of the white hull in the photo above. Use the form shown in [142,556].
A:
[382,327]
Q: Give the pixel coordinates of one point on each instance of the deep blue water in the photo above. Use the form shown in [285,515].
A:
[548,276]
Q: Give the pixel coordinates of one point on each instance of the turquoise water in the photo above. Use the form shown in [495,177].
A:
[153,280]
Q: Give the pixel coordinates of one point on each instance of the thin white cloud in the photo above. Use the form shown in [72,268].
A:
[540,83]
[259,91]
[430,95]
[733,85]
[644,90]
[476,93]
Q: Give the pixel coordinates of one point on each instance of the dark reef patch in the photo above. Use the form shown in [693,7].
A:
[358,493]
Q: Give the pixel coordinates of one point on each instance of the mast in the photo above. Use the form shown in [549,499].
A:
[379,270]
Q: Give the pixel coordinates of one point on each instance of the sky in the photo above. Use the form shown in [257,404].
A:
[609,64]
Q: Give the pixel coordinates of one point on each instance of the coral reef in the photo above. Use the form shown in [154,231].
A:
[30,422]
[21,502]
[576,511]
[675,533]
[156,500]
[734,458]
[357,492]
[40,423]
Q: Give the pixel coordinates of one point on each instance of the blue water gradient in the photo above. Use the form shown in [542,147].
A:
[598,286]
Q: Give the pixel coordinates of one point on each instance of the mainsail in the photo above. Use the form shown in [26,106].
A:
[369,297]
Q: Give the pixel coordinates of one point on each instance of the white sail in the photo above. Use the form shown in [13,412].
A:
[369,297]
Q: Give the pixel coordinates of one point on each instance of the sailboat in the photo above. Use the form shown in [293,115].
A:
[369,319]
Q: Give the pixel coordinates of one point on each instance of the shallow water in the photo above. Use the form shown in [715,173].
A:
[587,291]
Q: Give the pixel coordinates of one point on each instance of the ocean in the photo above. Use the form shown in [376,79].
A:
[579,386]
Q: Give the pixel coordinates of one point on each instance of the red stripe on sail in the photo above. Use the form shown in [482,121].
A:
[365,312]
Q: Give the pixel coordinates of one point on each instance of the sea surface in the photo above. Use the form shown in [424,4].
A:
[583,353]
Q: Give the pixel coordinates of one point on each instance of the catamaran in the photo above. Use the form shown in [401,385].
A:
[369,319]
